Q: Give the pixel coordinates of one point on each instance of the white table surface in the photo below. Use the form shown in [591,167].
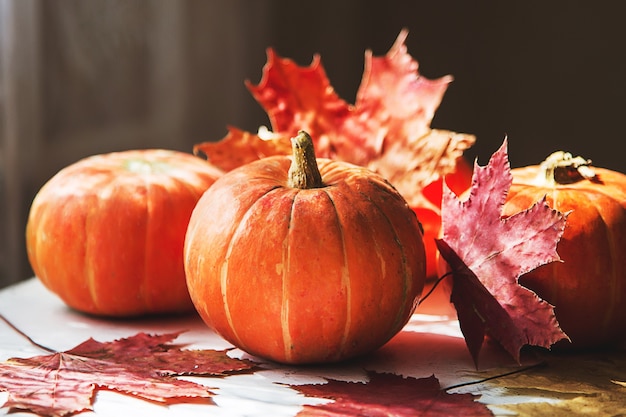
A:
[428,345]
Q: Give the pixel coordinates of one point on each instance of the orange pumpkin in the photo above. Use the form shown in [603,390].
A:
[304,265]
[588,289]
[106,233]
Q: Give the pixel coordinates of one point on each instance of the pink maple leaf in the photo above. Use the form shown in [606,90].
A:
[488,253]
[143,366]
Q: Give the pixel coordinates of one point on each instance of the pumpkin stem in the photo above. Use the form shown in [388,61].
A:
[303,172]
[562,168]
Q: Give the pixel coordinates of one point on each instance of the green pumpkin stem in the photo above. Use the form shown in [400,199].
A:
[561,168]
[304,173]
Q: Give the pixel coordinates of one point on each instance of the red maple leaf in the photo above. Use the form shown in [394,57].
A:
[387,129]
[389,395]
[488,253]
[142,366]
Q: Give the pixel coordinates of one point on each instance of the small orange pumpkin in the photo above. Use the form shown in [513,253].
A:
[588,289]
[106,233]
[304,265]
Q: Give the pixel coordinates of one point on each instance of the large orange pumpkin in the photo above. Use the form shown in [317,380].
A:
[106,233]
[300,265]
[588,288]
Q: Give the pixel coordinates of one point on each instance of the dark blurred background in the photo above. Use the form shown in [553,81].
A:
[85,77]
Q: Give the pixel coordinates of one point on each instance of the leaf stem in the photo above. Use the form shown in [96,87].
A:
[480,381]
[12,326]
[432,289]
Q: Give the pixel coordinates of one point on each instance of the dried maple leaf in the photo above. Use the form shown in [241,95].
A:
[487,253]
[240,147]
[142,366]
[387,129]
[569,385]
[389,395]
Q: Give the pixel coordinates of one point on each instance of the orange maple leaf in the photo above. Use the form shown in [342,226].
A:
[386,130]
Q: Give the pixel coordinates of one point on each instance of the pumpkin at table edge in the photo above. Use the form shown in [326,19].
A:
[106,233]
[580,294]
[304,273]
[589,287]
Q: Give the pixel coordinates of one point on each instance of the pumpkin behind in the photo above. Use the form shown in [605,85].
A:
[106,233]
[589,287]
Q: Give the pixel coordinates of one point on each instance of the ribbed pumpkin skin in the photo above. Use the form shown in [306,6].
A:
[304,275]
[106,233]
[589,287]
